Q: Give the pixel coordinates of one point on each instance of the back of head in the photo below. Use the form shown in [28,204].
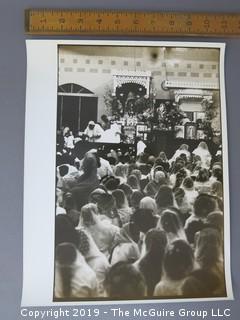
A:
[188,183]
[120,198]
[192,228]
[216,220]
[106,203]
[203,205]
[203,175]
[156,241]
[137,173]
[144,219]
[110,183]
[200,284]
[89,164]
[164,197]
[127,189]
[132,181]
[208,247]
[217,172]
[170,221]
[136,197]
[124,281]
[178,260]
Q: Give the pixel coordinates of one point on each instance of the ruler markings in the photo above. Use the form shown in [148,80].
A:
[130,22]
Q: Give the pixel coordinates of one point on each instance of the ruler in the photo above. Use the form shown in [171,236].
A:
[127,23]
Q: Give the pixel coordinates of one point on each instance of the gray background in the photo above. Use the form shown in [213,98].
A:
[12,112]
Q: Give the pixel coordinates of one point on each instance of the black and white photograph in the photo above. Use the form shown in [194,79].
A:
[139,212]
[137,206]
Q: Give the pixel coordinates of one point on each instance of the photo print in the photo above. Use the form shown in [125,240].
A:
[138,201]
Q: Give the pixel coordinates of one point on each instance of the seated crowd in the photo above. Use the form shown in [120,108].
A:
[139,227]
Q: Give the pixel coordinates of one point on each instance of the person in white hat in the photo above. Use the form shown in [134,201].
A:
[93,131]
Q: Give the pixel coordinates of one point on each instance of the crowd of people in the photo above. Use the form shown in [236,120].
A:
[135,227]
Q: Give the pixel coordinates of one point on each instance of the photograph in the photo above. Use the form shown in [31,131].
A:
[141,189]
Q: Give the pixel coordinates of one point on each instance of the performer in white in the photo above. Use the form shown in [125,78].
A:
[93,131]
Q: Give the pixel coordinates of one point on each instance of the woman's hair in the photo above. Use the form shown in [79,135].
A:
[216,220]
[170,221]
[151,263]
[188,183]
[66,254]
[135,199]
[124,281]
[200,283]
[106,204]
[137,173]
[203,205]
[192,228]
[164,197]
[144,219]
[120,198]
[208,247]
[217,173]
[88,213]
[89,165]
[203,175]
[178,260]
[132,181]
[126,189]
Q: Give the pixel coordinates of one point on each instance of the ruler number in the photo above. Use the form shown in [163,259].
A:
[171,22]
[117,21]
[80,20]
[135,21]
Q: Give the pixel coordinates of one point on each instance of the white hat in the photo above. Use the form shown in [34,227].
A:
[91,122]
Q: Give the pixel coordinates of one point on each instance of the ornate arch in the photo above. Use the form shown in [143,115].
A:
[139,77]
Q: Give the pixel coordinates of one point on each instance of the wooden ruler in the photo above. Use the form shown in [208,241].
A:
[127,23]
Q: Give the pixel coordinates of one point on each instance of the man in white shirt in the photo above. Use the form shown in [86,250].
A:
[93,131]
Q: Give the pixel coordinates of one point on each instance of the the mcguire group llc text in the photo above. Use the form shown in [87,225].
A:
[73,312]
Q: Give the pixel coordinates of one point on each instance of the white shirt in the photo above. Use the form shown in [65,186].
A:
[96,131]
